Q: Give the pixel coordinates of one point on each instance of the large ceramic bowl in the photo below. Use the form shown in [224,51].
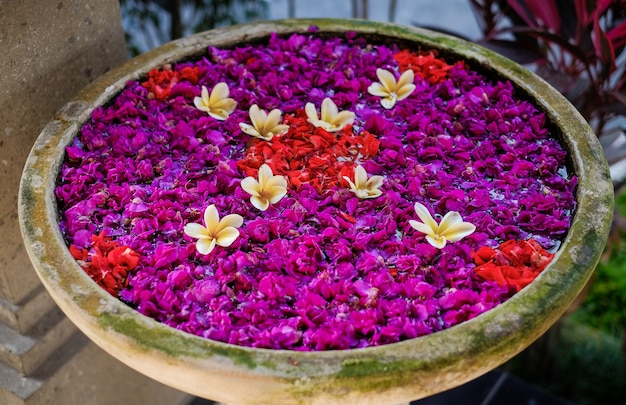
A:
[389,374]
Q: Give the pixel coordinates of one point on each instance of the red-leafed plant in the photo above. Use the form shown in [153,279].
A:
[578,46]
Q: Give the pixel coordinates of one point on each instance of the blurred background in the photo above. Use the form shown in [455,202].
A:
[149,23]
[577,46]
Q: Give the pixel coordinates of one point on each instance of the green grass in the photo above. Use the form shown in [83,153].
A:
[577,363]
[604,307]
[581,358]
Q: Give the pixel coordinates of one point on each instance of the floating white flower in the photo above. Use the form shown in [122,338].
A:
[264,125]
[214,232]
[364,187]
[332,120]
[390,90]
[218,105]
[269,189]
[450,229]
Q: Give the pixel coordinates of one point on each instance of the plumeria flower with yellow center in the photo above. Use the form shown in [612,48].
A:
[390,90]
[450,229]
[332,120]
[214,232]
[269,189]
[264,125]
[364,187]
[218,105]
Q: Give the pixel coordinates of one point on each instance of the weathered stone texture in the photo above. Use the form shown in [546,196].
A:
[49,50]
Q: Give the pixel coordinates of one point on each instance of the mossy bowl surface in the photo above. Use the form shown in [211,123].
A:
[388,374]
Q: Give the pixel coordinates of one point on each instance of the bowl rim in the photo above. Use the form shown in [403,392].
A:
[488,340]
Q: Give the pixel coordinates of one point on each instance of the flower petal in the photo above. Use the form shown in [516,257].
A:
[405,91]
[231,220]
[374,182]
[387,79]
[343,118]
[205,246]
[421,227]
[276,194]
[197,101]
[265,174]
[439,242]
[329,110]
[219,92]
[388,102]
[406,78]
[196,231]
[227,236]
[377,89]
[360,177]
[352,185]
[260,203]
[220,115]
[423,214]
[227,104]
[249,129]
[211,219]
[277,130]
[257,117]
[373,193]
[271,120]
[251,186]
[448,220]
[458,231]
[275,181]
[204,95]
[311,112]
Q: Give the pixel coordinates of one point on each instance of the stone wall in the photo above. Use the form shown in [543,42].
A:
[49,50]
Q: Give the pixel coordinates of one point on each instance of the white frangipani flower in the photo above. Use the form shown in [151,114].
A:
[214,232]
[450,229]
[331,120]
[264,125]
[269,189]
[218,105]
[364,187]
[390,90]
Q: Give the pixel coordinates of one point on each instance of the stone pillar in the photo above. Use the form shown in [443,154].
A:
[49,50]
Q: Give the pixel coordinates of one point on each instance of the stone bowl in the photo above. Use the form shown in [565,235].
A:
[389,374]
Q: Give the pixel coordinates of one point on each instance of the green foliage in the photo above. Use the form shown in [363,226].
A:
[595,361]
[620,203]
[577,363]
[604,307]
[150,23]
[581,358]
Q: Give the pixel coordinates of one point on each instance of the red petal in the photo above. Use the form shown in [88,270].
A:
[348,217]
[78,254]
[491,272]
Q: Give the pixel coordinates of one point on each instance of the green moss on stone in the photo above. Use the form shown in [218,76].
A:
[168,342]
[27,203]
[360,368]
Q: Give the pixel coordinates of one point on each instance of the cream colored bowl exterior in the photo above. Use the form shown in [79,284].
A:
[389,374]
